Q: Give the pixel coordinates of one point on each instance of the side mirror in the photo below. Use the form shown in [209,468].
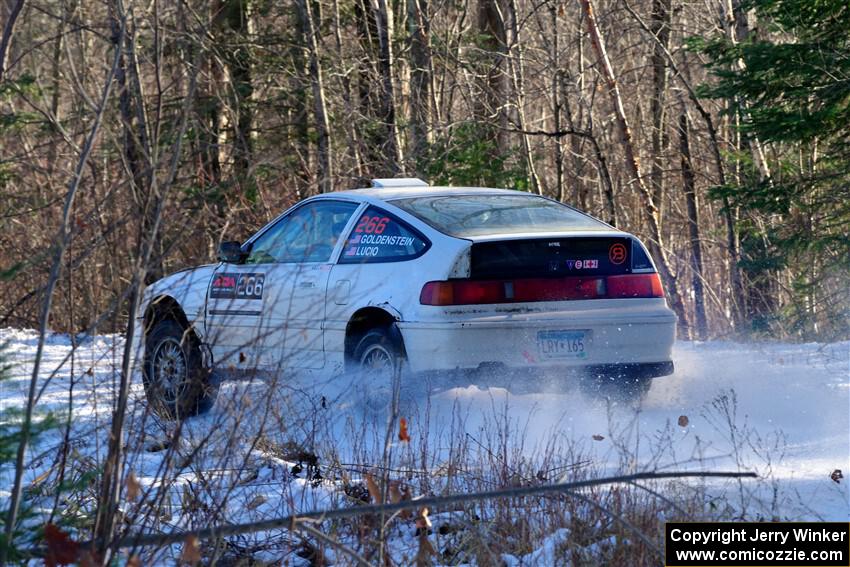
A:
[231,252]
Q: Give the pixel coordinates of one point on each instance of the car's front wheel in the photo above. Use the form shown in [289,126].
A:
[177,384]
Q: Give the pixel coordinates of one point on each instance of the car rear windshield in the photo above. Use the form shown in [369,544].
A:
[473,215]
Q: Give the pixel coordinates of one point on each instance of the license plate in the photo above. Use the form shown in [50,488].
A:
[563,344]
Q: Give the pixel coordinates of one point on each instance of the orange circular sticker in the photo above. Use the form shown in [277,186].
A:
[617,253]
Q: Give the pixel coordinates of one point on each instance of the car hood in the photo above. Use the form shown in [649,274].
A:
[180,283]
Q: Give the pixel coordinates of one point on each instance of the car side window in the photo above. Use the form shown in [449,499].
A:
[379,236]
[307,234]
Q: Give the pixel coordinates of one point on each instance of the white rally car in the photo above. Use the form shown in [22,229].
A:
[408,275]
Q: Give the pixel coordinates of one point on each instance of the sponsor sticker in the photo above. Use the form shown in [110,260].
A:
[231,285]
[589,264]
[617,253]
[362,251]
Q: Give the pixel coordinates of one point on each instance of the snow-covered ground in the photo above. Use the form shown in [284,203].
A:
[782,410]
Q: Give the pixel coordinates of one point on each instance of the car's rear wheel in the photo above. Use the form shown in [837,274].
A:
[378,361]
[177,384]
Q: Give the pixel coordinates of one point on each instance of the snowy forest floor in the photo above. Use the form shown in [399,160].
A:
[780,410]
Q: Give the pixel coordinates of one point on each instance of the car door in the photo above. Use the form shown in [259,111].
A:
[292,260]
[235,307]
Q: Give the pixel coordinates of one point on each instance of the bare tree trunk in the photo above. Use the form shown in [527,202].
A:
[515,55]
[420,78]
[557,78]
[755,299]
[738,294]
[697,277]
[320,111]
[56,87]
[8,32]
[299,114]
[631,162]
[234,23]
[489,107]
[208,109]
[605,180]
[633,168]
[147,242]
[738,302]
[737,29]
[136,141]
[661,30]
[606,183]
[366,78]
[383,14]
[577,119]
[61,244]
[345,87]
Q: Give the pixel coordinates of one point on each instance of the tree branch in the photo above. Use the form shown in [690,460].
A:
[286,522]
[8,30]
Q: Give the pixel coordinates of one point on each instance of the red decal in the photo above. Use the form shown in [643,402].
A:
[372,225]
[617,253]
[224,282]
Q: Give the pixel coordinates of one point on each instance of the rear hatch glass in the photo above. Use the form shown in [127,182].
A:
[552,257]
[467,215]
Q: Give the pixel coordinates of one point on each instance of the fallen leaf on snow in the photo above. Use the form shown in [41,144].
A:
[403,435]
[133,486]
[425,551]
[374,491]
[191,550]
[61,549]
[399,493]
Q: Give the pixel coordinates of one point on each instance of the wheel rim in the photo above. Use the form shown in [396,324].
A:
[377,366]
[377,359]
[170,370]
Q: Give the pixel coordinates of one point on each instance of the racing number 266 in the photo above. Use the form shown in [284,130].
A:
[372,225]
[250,286]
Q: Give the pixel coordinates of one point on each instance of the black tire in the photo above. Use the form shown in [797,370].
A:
[629,387]
[378,359]
[177,385]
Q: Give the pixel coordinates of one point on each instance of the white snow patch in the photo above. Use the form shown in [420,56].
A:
[792,401]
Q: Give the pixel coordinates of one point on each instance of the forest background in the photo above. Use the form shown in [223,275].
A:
[135,137]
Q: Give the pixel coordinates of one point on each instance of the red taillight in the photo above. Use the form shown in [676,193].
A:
[635,285]
[474,292]
[560,289]
[465,292]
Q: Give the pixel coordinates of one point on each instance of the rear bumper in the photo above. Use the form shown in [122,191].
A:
[641,338]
